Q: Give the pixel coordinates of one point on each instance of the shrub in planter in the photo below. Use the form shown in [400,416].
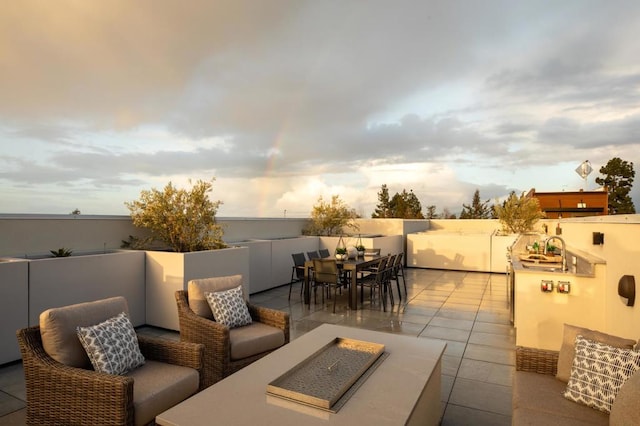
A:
[518,215]
[183,219]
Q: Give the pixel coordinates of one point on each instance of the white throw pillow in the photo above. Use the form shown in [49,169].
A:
[112,345]
[598,373]
[229,307]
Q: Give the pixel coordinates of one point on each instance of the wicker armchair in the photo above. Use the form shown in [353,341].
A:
[61,395]
[216,337]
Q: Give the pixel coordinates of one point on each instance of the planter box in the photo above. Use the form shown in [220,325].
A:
[14,295]
[446,250]
[168,272]
[499,246]
[281,260]
[259,264]
[62,281]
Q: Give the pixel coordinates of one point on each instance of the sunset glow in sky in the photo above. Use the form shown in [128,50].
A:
[283,101]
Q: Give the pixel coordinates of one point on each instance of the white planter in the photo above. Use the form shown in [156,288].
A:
[499,246]
[168,272]
[14,293]
[61,281]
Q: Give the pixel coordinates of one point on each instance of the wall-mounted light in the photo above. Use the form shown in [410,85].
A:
[546,286]
[564,287]
[598,238]
[627,289]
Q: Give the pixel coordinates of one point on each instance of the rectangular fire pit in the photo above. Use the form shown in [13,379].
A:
[325,377]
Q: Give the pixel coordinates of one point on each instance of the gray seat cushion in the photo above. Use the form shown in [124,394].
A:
[624,410]
[254,339]
[542,396]
[158,386]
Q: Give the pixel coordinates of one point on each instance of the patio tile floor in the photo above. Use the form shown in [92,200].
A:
[468,310]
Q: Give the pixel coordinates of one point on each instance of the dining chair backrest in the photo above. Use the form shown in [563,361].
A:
[372,252]
[298,262]
[313,255]
[325,270]
[398,262]
[324,253]
[298,259]
[382,265]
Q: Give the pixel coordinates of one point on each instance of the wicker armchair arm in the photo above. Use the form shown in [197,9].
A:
[178,353]
[534,360]
[55,391]
[272,317]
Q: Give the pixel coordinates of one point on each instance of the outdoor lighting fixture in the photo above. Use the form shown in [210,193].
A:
[598,238]
[627,289]
[546,286]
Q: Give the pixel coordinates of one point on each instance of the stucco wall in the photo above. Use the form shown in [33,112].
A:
[593,302]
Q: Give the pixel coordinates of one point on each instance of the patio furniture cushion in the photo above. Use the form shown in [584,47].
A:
[537,400]
[112,345]
[567,351]
[624,410]
[598,373]
[159,386]
[58,328]
[229,307]
[196,289]
[254,339]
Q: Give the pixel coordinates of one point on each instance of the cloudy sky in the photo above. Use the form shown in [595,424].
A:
[284,101]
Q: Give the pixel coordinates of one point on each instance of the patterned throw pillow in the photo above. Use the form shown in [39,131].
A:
[229,307]
[112,345]
[598,373]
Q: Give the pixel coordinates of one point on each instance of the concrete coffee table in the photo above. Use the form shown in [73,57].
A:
[403,389]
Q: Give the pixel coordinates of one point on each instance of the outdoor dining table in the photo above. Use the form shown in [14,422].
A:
[353,265]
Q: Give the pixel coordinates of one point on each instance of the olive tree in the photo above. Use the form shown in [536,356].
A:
[330,218]
[518,214]
[183,219]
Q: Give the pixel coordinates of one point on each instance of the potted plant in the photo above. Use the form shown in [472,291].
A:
[341,253]
[61,252]
[360,249]
[518,215]
[184,221]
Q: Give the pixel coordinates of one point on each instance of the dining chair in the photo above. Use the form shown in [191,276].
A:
[297,271]
[378,282]
[326,275]
[313,255]
[398,271]
[324,253]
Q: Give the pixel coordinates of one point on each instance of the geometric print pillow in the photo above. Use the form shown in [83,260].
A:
[598,373]
[112,345]
[229,307]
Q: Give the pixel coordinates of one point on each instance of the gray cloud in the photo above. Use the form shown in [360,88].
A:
[302,91]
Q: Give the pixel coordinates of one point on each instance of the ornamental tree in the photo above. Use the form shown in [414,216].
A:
[518,215]
[329,218]
[618,180]
[183,219]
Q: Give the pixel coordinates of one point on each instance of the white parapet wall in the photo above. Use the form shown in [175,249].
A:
[447,250]
[14,305]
